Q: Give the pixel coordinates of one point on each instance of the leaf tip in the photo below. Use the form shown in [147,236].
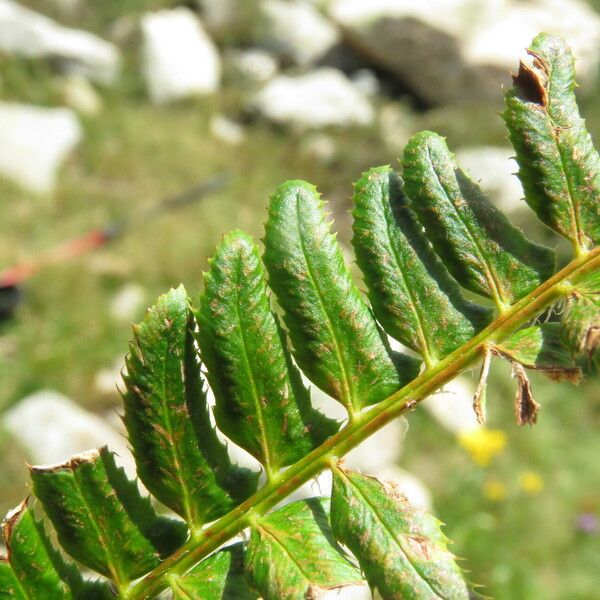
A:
[11,519]
[87,456]
[531,81]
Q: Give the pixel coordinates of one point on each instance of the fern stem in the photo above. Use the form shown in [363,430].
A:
[363,425]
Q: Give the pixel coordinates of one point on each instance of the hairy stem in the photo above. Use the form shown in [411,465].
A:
[365,424]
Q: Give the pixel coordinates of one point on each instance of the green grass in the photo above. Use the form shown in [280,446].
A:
[524,547]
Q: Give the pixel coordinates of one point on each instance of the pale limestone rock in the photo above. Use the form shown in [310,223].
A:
[109,380]
[296,30]
[317,99]
[494,169]
[501,40]
[24,32]
[180,59]
[319,146]
[217,14]
[253,66]
[452,407]
[51,428]
[79,94]
[449,51]
[34,142]
[128,303]
[227,130]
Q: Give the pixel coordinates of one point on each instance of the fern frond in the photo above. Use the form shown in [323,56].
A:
[336,340]
[558,164]
[284,565]
[219,576]
[101,519]
[401,550]
[477,243]
[412,294]
[261,402]
[178,455]
[413,266]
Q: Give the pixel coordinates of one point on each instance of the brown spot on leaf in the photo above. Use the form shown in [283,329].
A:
[531,81]
[11,520]
[72,463]
[420,546]
[284,426]
[392,489]
[592,340]
[572,374]
[526,408]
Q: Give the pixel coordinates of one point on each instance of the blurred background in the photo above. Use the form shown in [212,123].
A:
[107,108]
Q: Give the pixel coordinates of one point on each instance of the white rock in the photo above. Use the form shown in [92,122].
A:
[499,41]
[381,449]
[396,125]
[494,168]
[454,50]
[318,486]
[366,81]
[124,30]
[320,147]
[79,94]
[325,403]
[227,130]
[254,65]
[296,30]
[180,59]
[51,428]
[416,492]
[24,32]
[452,407]
[128,303]
[415,41]
[34,142]
[109,380]
[320,98]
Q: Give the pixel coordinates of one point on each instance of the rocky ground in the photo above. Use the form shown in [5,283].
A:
[107,107]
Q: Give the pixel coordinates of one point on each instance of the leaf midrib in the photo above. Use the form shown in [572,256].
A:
[24,591]
[574,207]
[188,504]
[181,592]
[557,286]
[264,441]
[347,380]
[390,533]
[425,351]
[113,565]
[573,204]
[270,533]
[489,270]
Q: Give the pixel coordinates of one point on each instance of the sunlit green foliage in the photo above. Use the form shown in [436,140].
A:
[415,247]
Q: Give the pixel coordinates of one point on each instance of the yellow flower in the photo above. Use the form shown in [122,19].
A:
[482,444]
[494,490]
[531,483]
